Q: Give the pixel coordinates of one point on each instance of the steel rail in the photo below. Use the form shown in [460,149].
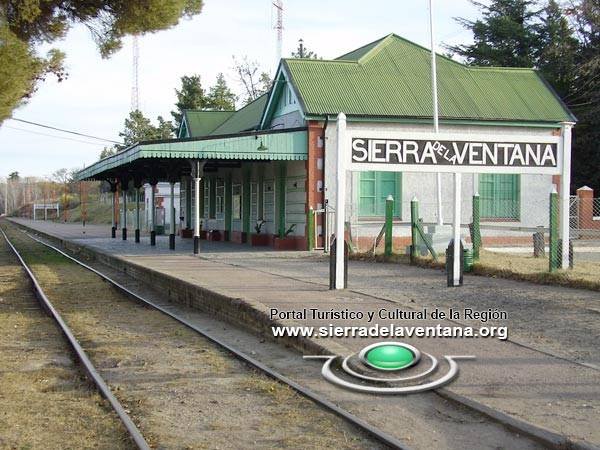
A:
[101,385]
[304,391]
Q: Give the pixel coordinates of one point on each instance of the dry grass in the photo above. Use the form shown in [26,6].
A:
[585,274]
[46,402]
[181,390]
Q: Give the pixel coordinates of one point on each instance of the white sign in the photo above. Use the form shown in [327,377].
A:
[449,153]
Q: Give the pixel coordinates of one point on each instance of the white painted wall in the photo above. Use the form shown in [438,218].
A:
[164,190]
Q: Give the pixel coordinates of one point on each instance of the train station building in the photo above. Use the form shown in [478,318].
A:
[266,173]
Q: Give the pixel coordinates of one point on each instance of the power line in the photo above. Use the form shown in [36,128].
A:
[53,136]
[65,131]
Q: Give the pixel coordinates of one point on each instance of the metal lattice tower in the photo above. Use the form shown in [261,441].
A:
[278,4]
[135,92]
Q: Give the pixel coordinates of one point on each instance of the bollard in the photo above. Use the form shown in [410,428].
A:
[414,232]
[553,261]
[450,263]
[389,214]
[332,264]
[475,228]
[539,245]
[113,232]
[152,237]
[310,229]
[137,235]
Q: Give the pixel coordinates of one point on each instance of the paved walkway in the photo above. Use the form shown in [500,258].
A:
[548,373]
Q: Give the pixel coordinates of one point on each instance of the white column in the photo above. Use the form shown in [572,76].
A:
[456,225]
[197,203]
[172,207]
[565,191]
[340,201]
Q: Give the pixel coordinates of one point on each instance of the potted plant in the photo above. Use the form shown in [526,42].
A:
[286,242]
[257,239]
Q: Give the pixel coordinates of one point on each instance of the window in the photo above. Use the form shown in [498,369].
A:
[254,202]
[206,212]
[236,201]
[373,191]
[219,199]
[269,201]
[500,196]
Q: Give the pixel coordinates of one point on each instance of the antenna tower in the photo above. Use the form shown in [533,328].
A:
[135,93]
[278,4]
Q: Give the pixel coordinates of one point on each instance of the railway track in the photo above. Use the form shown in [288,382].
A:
[366,434]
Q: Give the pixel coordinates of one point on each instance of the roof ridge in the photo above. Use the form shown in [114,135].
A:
[341,58]
[209,110]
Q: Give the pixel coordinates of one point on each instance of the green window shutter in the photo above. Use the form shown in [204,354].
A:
[367,204]
[374,188]
[500,196]
[213,198]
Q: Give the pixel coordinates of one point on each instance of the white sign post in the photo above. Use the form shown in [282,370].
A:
[450,153]
[340,192]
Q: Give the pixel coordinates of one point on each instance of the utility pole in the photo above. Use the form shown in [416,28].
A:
[135,91]
[436,125]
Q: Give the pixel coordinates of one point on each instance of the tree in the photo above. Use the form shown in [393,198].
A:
[556,48]
[14,176]
[254,81]
[190,96]
[27,24]
[504,36]
[303,52]
[139,128]
[220,97]
[164,130]
[21,70]
[108,151]
[584,97]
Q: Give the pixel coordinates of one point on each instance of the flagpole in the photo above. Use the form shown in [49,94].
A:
[436,125]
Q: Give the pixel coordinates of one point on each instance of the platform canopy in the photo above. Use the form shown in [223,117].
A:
[170,159]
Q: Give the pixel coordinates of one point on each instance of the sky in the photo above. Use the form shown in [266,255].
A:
[96,97]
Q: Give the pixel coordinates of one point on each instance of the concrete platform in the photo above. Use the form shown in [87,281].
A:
[547,374]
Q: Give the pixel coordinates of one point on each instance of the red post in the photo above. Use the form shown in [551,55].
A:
[585,196]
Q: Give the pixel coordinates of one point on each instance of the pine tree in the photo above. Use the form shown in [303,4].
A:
[139,128]
[220,97]
[24,25]
[504,36]
[190,96]
[555,48]
[303,52]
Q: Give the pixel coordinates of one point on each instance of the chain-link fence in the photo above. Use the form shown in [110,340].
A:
[499,239]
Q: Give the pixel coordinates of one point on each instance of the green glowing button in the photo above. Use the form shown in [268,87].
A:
[389,357]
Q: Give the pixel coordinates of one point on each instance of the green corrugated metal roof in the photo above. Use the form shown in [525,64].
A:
[244,119]
[392,77]
[201,123]
[290,145]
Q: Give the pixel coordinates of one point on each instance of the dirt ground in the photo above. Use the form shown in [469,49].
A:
[46,402]
[181,390]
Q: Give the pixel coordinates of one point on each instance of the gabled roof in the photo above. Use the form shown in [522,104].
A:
[391,77]
[244,119]
[201,123]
